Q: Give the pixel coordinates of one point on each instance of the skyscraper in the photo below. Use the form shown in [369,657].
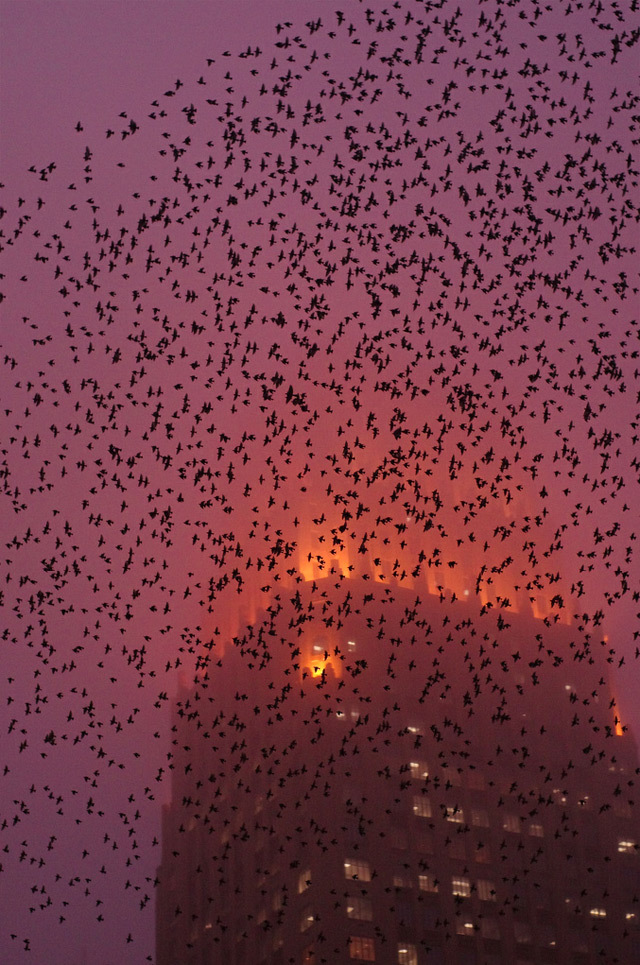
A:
[372,772]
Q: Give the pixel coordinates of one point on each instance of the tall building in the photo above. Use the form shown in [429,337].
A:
[375,773]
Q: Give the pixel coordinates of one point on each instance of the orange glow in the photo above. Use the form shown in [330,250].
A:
[619,729]
[321,664]
[322,554]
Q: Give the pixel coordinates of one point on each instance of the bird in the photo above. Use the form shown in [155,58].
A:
[312,469]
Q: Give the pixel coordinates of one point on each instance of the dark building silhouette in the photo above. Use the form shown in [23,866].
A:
[377,773]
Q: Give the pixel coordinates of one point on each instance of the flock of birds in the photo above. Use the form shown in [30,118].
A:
[362,301]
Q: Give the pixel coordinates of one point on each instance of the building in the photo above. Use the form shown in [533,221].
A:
[375,773]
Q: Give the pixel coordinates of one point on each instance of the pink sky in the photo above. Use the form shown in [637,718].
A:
[101,65]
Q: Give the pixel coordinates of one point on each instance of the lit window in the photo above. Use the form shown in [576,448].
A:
[461,887]
[306,920]
[407,954]
[480,819]
[464,927]
[360,908]
[351,644]
[632,917]
[362,949]
[522,932]
[421,806]
[489,928]
[419,770]
[486,890]
[536,831]
[454,814]
[598,912]
[304,880]
[627,847]
[511,823]
[414,730]
[357,868]
[427,883]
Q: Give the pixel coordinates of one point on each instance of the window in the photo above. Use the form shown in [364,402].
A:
[304,880]
[490,929]
[627,847]
[419,770]
[545,935]
[522,932]
[309,955]
[454,814]
[536,831]
[430,917]
[357,869]
[306,919]
[486,890]
[399,839]
[475,780]
[407,954]
[359,907]
[461,887]
[483,853]
[402,881]
[511,823]
[421,806]
[456,848]
[452,777]
[362,949]
[404,912]
[480,819]
[598,912]
[427,883]
[464,927]
[424,842]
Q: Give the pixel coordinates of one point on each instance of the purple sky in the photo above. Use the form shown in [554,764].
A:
[565,378]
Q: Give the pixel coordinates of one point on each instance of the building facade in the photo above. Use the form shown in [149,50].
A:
[371,774]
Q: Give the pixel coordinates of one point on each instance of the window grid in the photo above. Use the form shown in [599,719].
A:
[362,949]
[357,868]
[461,887]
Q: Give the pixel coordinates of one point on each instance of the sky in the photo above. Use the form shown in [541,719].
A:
[284,282]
